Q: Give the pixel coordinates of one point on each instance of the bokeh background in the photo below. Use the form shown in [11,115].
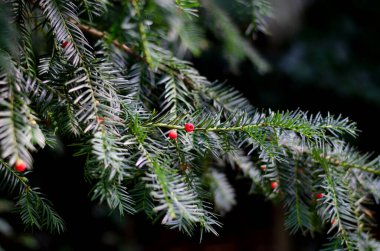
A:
[324,57]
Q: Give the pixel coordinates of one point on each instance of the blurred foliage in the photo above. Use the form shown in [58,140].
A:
[338,52]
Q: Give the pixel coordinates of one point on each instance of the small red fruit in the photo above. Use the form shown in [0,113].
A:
[20,166]
[64,44]
[100,120]
[173,134]
[263,167]
[273,185]
[189,127]
[319,196]
[332,221]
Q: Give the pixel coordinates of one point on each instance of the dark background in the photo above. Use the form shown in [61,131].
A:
[328,61]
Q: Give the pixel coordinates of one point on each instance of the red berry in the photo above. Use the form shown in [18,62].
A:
[263,167]
[100,119]
[319,196]
[64,44]
[189,127]
[20,166]
[273,185]
[332,221]
[173,134]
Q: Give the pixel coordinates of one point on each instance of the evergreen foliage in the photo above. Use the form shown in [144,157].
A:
[110,75]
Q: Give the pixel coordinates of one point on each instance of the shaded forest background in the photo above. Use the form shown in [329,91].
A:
[324,57]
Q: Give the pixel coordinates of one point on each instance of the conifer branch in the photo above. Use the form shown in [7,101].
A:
[35,210]
[349,165]
[11,178]
[142,160]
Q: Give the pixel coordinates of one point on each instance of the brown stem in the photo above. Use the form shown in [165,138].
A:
[161,67]
[101,34]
